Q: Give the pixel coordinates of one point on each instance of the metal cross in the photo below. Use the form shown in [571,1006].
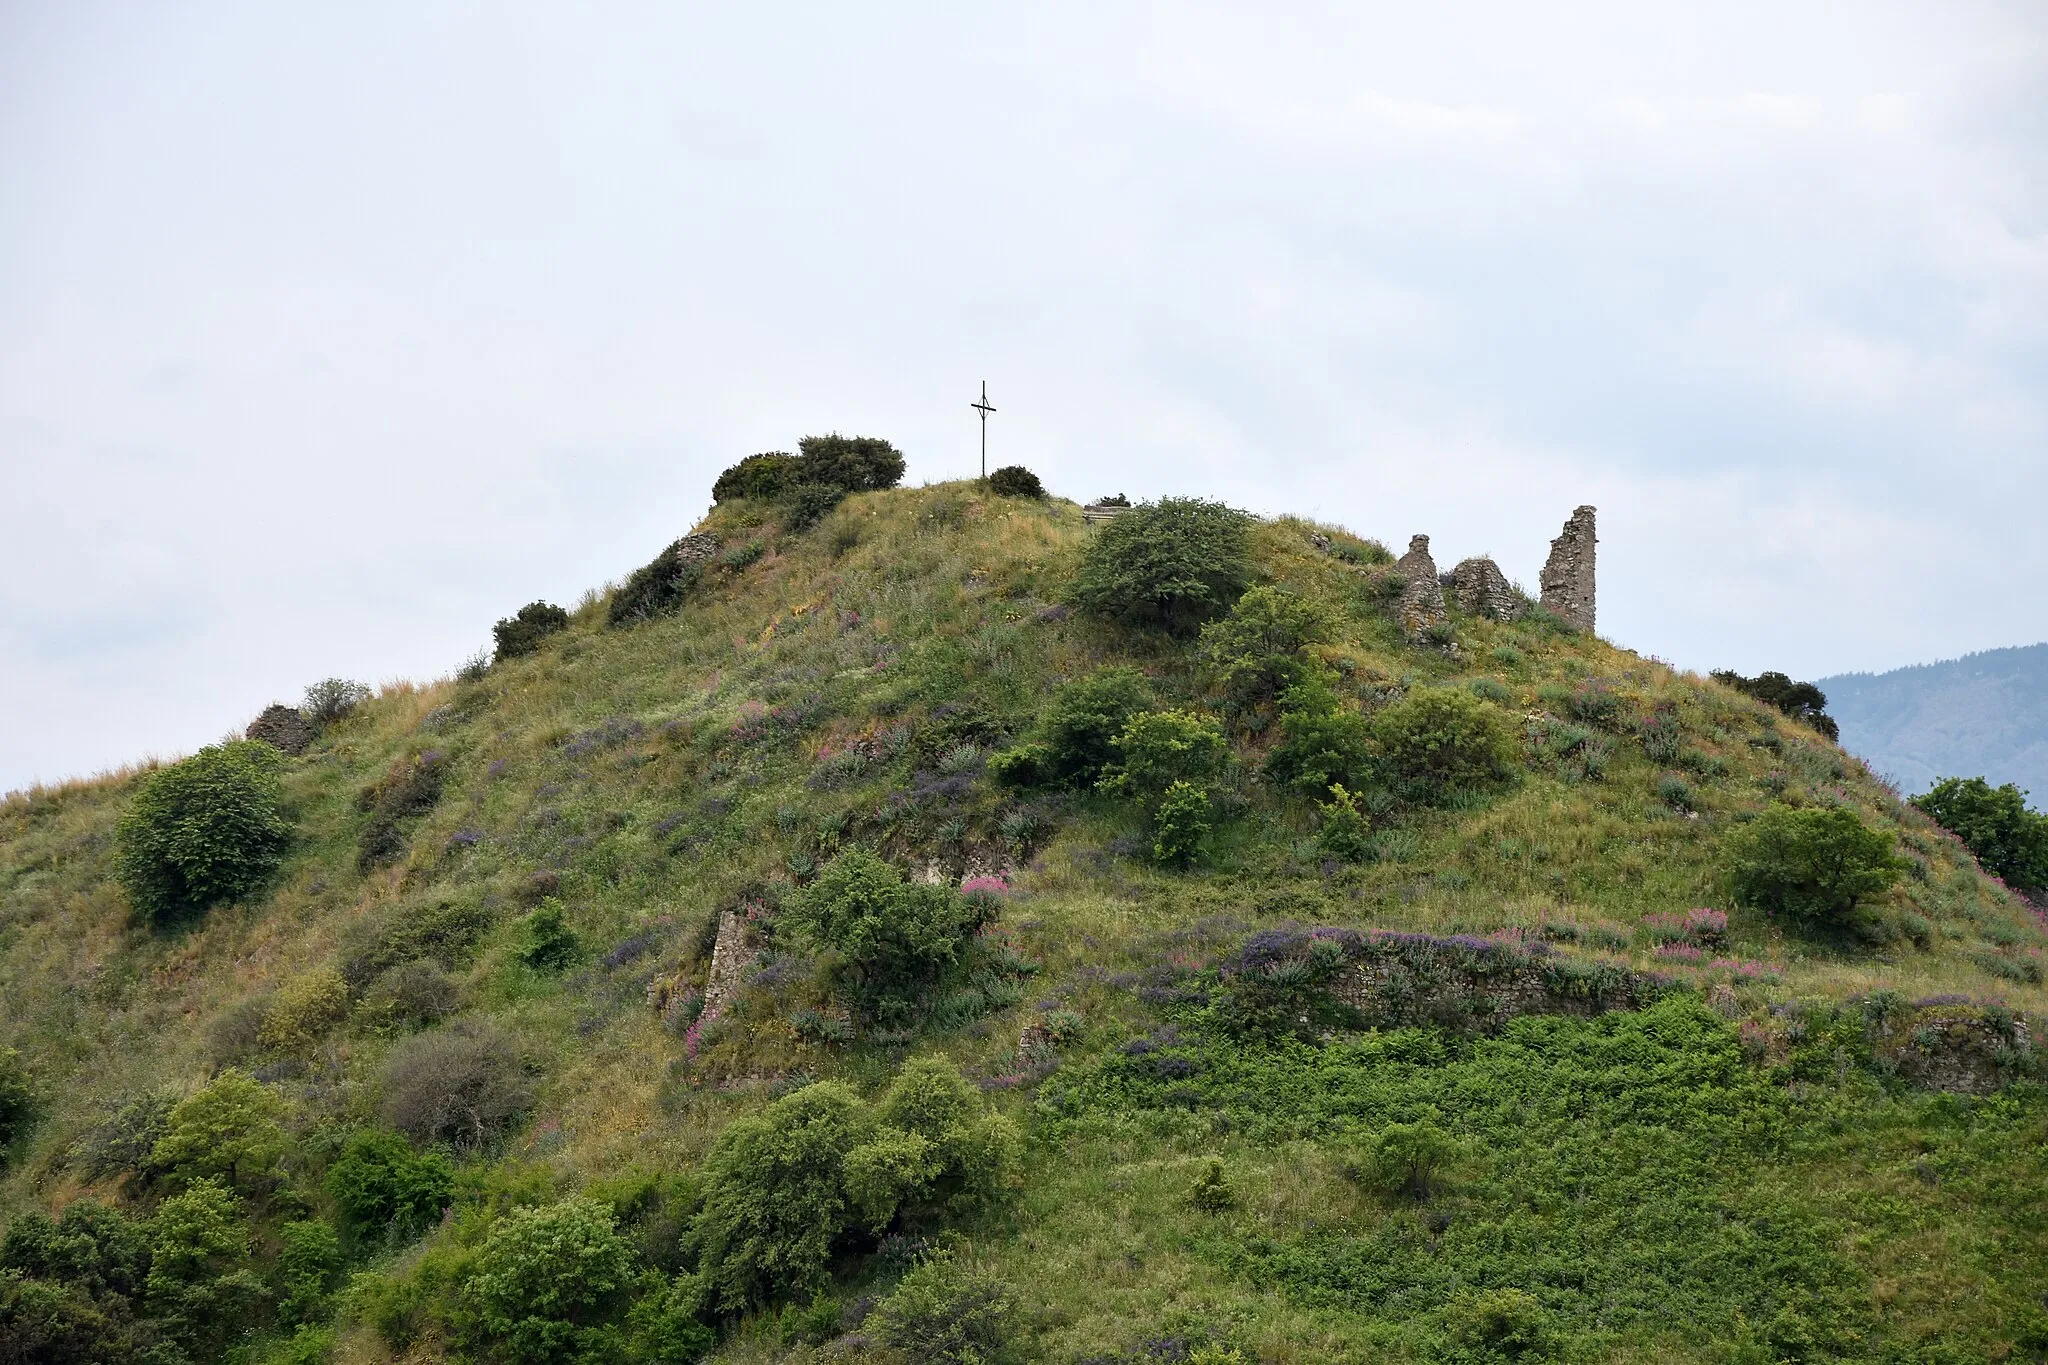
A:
[984,409]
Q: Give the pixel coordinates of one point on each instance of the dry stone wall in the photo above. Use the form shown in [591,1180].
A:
[1568,575]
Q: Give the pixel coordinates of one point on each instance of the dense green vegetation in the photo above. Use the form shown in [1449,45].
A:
[1132,950]
[2010,840]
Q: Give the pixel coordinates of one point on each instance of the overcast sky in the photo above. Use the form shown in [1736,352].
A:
[330,334]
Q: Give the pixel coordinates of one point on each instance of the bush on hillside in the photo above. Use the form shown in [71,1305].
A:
[1410,1159]
[1173,564]
[332,700]
[1322,743]
[818,1171]
[443,931]
[203,832]
[19,1105]
[411,995]
[1086,716]
[308,1265]
[1801,701]
[1182,821]
[807,504]
[1157,749]
[120,1143]
[1258,650]
[762,476]
[949,1314]
[551,944]
[304,1009]
[410,789]
[386,1188]
[227,1130]
[198,1286]
[1438,743]
[2009,840]
[465,1084]
[890,939]
[1342,830]
[522,633]
[1015,481]
[656,588]
[1811,866]
[546,1277]
[858,464]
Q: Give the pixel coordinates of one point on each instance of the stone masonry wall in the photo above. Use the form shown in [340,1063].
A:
[1568,575]
[1422,595]
[1482,589]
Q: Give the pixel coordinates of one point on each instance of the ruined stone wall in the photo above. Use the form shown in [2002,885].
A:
[282,727]
[1421,609]
[1568,575]
[1482,589]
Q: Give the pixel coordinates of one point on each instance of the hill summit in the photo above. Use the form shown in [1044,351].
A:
[935,925]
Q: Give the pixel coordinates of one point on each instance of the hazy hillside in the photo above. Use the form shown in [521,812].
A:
[758,967]
[1980,715]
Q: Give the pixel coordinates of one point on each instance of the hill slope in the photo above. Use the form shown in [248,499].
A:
[1606,1132]
[1981,715]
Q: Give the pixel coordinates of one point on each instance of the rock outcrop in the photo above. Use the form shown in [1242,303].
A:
[1568,574]
[1421,608]
[283,728]
[1482,589]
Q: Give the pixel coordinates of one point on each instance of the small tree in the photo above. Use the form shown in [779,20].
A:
[1438,742]
[1158,749]
[332,700]
[197,1282]
[1257,651]
[1181,824]
[1801,701]
[892,938]
[203,832]
[2009,840]
[522,633]
[1173,564]
[1343,832]
[551,944]
[227,1131]
[944,1313]
[1015,481]
[1411,1159]
[308,1263]
[1321,742]
[1810,865]
[546,1276]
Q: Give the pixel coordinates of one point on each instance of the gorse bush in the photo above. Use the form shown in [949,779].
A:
[203,832]
[523,632]
[1015,481]
[1994,823]
[1172,564]
[1810,866]
[1257,652]
[890,939]
[546,1277]
[819,1171]
[1801,701]
[464,1084]
[1437,743]
[386,1188]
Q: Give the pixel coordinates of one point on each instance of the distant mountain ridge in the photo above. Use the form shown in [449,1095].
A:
[1983,714]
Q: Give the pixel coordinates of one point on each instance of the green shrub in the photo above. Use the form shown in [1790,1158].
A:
[203,832]
[1173,564]
[443,931]
[308,1263]
[664,1326]
[1086,716]
[551,944]
[1410,1159]
[1675,792]
[1802,701]
[1022,765]
[1810,866]
[2009,840]
[858,464]
[1015,481]
[657,588]
[386,1188]
[970,1156]
[807,504]
[332,700]
[948,1314]
[891,939]
[464,1084]
[522,633]
[1343,832]
[1437,743]
[408,790]
[1159,749]
[227,1131]
[410,996]
[1212,1189]
[1321,743]
[1257,651]
[198,1283]
[120,1144]
[763,476]
[303,1010]
[545,1277]
[1181,822]
[1501,1322]
[20,1106]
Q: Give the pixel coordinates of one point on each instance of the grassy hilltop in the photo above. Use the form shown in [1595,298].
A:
[1443,1067]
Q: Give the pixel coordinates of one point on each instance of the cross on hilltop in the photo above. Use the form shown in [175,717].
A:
[984,409]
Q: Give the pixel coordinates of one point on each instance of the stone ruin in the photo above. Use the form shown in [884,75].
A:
[282,728]
[694,550]
[1481,588]
[1568,575]
[1421,609]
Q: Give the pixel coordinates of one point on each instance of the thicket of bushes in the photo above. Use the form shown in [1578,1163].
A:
[1801,701]
[2009,840]
[808,485]
[203,832]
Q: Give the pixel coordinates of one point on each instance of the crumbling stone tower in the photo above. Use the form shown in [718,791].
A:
[1568,574]
[1422,593]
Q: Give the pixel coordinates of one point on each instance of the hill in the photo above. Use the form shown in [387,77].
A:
[1981,715]
[758,960]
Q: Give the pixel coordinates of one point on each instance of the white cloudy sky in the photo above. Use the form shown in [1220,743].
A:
[330,334]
